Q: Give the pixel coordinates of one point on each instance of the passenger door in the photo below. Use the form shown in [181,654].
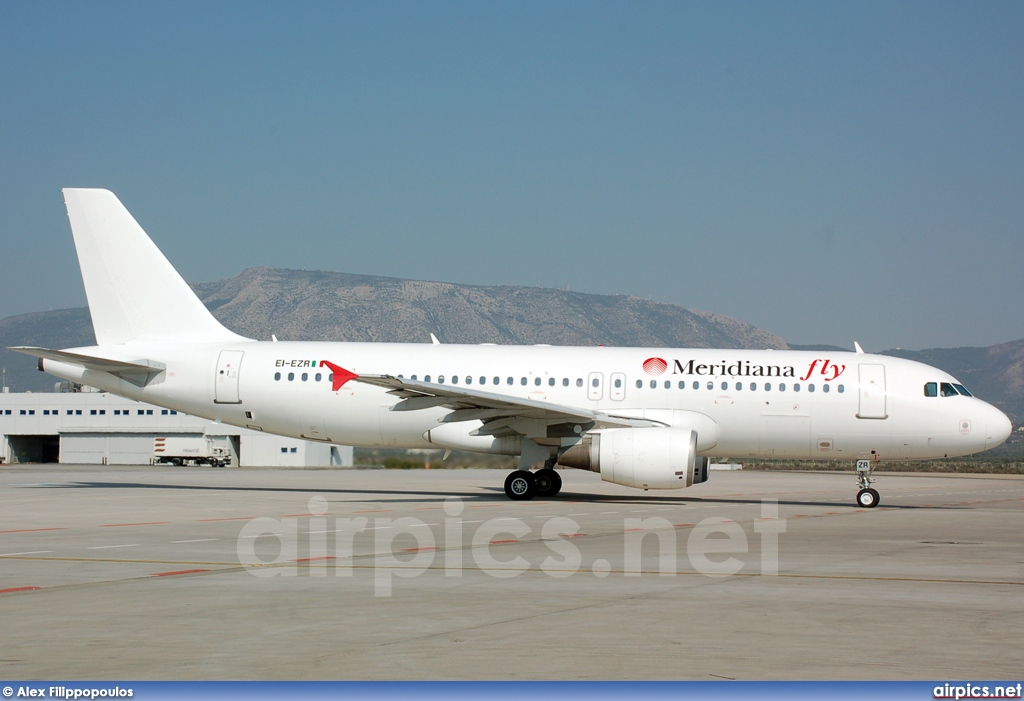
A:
[872,391]
[226,382]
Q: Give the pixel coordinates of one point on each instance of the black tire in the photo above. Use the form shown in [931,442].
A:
[176,462]
[868,498]
[521,485]
[549,482]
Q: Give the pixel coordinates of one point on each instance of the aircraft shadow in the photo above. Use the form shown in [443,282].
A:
[494,494]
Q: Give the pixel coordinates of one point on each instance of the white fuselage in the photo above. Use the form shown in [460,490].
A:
[777,404]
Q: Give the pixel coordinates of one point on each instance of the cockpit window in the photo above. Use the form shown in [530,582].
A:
[931,389]
[963,390]
[948,390]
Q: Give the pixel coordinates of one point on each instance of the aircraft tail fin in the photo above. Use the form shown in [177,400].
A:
[133,291]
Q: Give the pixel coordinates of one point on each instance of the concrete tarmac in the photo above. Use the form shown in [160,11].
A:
[198,573]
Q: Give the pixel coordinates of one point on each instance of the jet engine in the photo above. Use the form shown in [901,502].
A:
[647,458]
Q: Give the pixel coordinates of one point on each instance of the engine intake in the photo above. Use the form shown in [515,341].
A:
[647,458]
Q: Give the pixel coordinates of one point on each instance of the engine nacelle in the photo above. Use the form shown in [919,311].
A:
[646,458]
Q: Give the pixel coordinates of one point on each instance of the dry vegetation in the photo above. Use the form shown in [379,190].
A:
[421,459]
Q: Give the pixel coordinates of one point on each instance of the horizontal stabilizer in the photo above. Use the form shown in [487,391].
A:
[139,372]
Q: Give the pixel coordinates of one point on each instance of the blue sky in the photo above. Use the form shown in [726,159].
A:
[826,171]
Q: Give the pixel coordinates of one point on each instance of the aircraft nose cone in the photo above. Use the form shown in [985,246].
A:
[999,428]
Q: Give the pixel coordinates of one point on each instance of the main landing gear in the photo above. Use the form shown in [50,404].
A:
[523,484]
[866,497]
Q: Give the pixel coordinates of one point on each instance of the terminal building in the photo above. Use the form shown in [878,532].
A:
[90,427]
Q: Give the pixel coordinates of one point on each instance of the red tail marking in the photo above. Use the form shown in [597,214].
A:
[341,375]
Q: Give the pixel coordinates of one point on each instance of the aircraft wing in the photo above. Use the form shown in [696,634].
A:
[499,412]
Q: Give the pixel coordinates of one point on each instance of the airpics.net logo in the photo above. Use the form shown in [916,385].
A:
[655,366]
[388,549]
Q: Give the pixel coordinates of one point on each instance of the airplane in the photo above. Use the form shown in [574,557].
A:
[649,418]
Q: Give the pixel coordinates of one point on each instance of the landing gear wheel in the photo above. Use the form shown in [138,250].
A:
[868,498]
[549,482]
[521,485]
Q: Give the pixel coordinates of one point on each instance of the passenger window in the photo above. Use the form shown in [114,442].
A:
[739,386]
[841,389]
[682,384]
[565,381]
[319,377]
[330,378]
[426,378]
[639,384]
[725,386]
[440,379]
[469,380]
[711,385]
[618,383]
[510,381]
[483,380]
[291,376]
[696,384]
[551,382]
[497,380]
[277,376]
[825,389]
[753,386]
[522,381]
[413,378]
[767,386]
[782,386]
[455,379]
[931,389]
[963,390]
[305,376]
[668,384]
[796,386]
[947,390]
[579,381]
[536,381]
[810,387]
[594,382]
[654,384]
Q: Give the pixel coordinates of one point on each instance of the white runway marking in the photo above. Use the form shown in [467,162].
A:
[34,552]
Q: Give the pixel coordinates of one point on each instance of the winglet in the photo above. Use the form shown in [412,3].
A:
[341,375]
[433,340]
[856,347]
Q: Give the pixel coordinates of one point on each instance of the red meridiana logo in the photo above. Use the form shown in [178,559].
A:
[655,366]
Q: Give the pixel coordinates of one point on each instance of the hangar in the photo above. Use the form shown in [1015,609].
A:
[91,427]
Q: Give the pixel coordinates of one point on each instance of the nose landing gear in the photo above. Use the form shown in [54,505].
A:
[866,497]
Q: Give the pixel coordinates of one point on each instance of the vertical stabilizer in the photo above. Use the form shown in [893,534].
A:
[133,291]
